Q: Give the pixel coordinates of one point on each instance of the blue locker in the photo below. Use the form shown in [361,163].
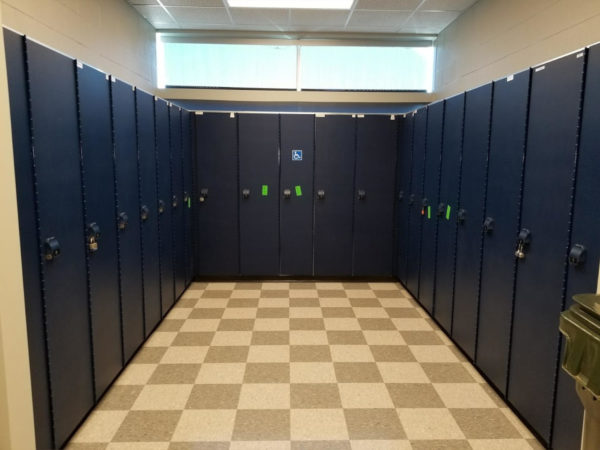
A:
[433,154]
[376,147]
[449,182]
[128,216]
[27,201]
[148,209]
[53,103]
[476,138]
[403,181]
[415,219]
[188,193]
[177,198]
[334,194]
[582,274]
[555,103]
[507,150]
[101,224]
[296,195]
[165,204]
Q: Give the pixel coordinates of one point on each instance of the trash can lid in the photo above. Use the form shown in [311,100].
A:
[590,304]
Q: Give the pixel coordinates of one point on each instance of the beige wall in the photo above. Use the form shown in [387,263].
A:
[495,38]
[16,410]
[107,34]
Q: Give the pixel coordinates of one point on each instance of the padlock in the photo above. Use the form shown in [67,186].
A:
[93,236]
[523,242]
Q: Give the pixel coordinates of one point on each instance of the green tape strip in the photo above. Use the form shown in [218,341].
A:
[448,209]
[298,191]
[189,202]
[265,190]
[429,212]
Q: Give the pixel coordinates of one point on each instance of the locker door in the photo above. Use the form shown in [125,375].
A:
[374,196]
[177,198]
[551,148]
[130,243]
[403,170]
[473,182]
[217,195]
[259,194]
[507,147]
[99,191]
[188,193]
[416,202]
[165,204]
[55,133]
[296,206]
[334,194]
[29,238]
[449,180]
[582,277]
[148,210]
[435,124]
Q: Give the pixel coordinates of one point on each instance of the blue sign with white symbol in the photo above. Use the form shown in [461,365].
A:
[296,155]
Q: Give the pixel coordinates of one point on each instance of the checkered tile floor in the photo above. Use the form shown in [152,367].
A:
[300,365]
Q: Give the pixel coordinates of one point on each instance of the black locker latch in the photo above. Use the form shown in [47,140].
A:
[51,249]
[400,196]
[523,241]
[122,221]
[461,215]
[321,194]
[161,207]
[203,195]
[287,193]
[488,225]
[93,237]
[441,209]
[174,201]
[144,213]
[362,194]
[577,255]
[246,193]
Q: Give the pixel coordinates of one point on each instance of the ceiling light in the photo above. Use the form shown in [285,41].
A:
[292,4]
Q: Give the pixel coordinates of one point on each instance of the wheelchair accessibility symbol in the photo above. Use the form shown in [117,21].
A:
[296,155]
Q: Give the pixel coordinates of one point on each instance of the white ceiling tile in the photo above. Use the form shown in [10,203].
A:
[429,22]
[378,19]
[318,19]
[388,5]
[252,16]
[190,17]
[196,3]
[447,5]
[156,15]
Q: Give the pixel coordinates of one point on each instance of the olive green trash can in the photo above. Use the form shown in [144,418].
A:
[581,326]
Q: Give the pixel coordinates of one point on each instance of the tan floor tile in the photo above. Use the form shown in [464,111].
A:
[270,338]
[273,313]
[269,353]
[240,313]
[248,285]
[199,446]
[119,397]
[373,424]
[310,337]
[381,445]
[338,312]
[306,313]
[375,337]
[421,338]
[314,395]
[161,339]
[162,397]
[170,325]
[149,355]
[484,423]
[216,293]
[321,445]
[346,338]
[136,374]
[450,444]
[376,324]
[312,372]
[212,303]
[267,425]
[493,395]
[272,325]
[447,373]
[200,325]
[207,425]
[227,354]
[402,313]
[535,444]
[220,285]
[138,425]
[243,303]
[371,313]
[332,293]
[360,293]
[387,293]
[221,373]
[138,446]
[301,285]
[472,371]
[365,395]
[194,339]
[396,303]
[404,372]
[429,423]
[357,372]
[414,395]
[499,444]
[100,426]
[180,313]
[307,324]
[329,286]
[267,373]
[274,302]
[433,353]
[516,422]
[412,325]
[385,286]
[246,293]
[351,353]
[236,325]
[443,337]
[214,396]
[341,324]
[304,302]
[231,338]
[365,303]
[207,313]
[352,285]
[275,293]
[260,445]
[310,353]
[335,302]
[275,286]
[265,396]
[184,355]
[175,374]
[392,353]
[464,395]
[318,424]
[304,293]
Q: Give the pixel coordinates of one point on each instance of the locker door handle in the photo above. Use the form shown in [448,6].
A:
[321,194]
[523,241]
[287,193]
[203,195]
[51,249]
[488,225]
[362,194]
[93,237]
[122,221]
[577,255]
[174,201]
[246,193]
[161,207]
[441,209]
[461,216]
[144,213]
[400,196]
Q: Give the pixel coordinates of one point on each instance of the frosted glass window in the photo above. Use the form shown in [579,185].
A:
[229,65]
[367,68]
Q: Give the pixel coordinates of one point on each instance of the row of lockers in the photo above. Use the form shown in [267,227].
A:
[295,195]
[498,226]
[103,174]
